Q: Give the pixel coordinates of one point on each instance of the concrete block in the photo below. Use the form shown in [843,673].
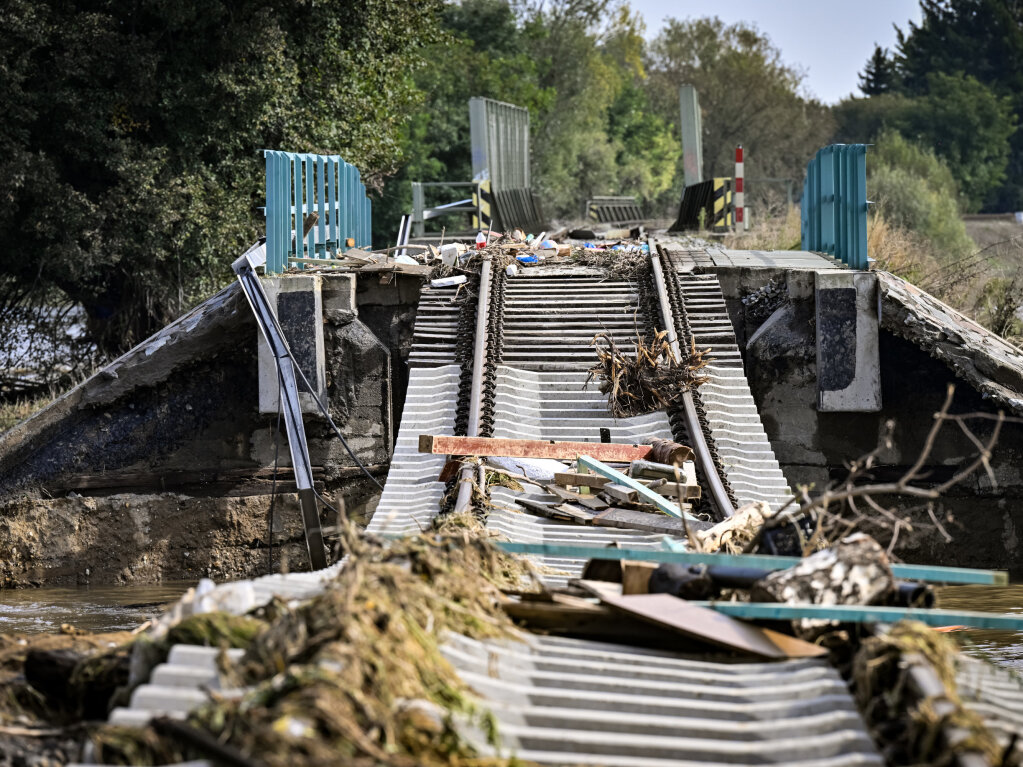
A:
[848,355]
[298,301]
[339,295]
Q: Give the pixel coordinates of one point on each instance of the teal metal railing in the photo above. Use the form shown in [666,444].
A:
[834,209]
[299,185]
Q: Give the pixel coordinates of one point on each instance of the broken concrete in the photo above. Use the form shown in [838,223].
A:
[180,414]
[934,347]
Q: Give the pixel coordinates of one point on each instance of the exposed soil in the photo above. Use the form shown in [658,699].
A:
[129,538]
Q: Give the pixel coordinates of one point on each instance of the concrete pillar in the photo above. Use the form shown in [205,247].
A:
[848,359]
[298,301]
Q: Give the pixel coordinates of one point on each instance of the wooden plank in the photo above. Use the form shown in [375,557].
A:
[865,614]
[577,479]
[419,270]
[615,492]
[636,577]
[586,500]
[530,448]
[711,626]
[930,573]
[551,512]
[648,495]
[579,514]
[629,519]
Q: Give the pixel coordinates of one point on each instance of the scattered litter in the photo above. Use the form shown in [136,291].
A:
[447,282]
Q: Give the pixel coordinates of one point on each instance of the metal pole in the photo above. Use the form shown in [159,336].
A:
[704,460]
[464,500]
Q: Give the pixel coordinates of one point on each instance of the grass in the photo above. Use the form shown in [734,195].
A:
[16,411]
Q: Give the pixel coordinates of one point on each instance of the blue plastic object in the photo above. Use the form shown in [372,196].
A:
[527,259]
[834,209]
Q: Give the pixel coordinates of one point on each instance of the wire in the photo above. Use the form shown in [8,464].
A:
[326,414]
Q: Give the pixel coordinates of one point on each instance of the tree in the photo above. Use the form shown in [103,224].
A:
[964,122]
[130,163]
[748,96]
[982,39]
[969,128]
[879,76]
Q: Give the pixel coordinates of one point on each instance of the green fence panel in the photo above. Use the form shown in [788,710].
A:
[834,208]
[298,185]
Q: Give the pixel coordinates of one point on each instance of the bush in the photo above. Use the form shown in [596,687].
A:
[915,190]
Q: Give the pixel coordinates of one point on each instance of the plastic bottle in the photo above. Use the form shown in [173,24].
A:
[481,241]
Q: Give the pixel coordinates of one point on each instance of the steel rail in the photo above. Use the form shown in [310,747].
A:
[463,501]
[704,460]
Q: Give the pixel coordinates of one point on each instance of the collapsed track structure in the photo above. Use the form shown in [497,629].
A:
[509,357]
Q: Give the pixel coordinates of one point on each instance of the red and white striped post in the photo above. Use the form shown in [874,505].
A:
[737,193]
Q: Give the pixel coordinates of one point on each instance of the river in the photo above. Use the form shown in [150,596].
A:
[97,609]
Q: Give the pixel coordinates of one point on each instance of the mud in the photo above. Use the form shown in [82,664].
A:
[129,538]
[32,733]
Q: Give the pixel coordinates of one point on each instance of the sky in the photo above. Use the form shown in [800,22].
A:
[828,40]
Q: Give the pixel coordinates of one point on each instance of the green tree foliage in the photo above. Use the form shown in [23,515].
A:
[484,50]
[982,39]
[879,76]
[915,189]
[129,150]
[964,122]
[598,136]
[748,96]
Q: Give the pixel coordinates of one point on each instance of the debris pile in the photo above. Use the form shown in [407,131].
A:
[356,673]
[654,379]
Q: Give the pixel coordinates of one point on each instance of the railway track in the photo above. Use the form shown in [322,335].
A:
[529,372]
[573,701]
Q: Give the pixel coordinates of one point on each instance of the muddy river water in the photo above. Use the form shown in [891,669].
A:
[118,608]
[101,608]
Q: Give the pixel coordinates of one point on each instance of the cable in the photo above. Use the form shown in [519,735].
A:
[326,414]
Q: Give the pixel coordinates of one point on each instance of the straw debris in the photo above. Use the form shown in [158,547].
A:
[912,731]
[356,675]
[654,379]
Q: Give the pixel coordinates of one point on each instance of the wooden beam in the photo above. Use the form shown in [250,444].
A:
[630,519]
[865,614]
[530,448]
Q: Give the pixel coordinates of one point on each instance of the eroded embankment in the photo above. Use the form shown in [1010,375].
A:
[132,538]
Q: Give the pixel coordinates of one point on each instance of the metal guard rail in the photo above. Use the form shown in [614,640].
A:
[834,209]
[298,185]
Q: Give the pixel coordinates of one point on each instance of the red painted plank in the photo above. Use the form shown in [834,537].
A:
[531,448]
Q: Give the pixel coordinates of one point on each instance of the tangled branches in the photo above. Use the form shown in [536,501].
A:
[653,380]
[851,505]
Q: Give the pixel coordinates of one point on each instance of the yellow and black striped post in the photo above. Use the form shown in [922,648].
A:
[723,207]
[483,201]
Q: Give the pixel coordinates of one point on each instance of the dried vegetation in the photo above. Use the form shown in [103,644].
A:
[356,675]
[653,379]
